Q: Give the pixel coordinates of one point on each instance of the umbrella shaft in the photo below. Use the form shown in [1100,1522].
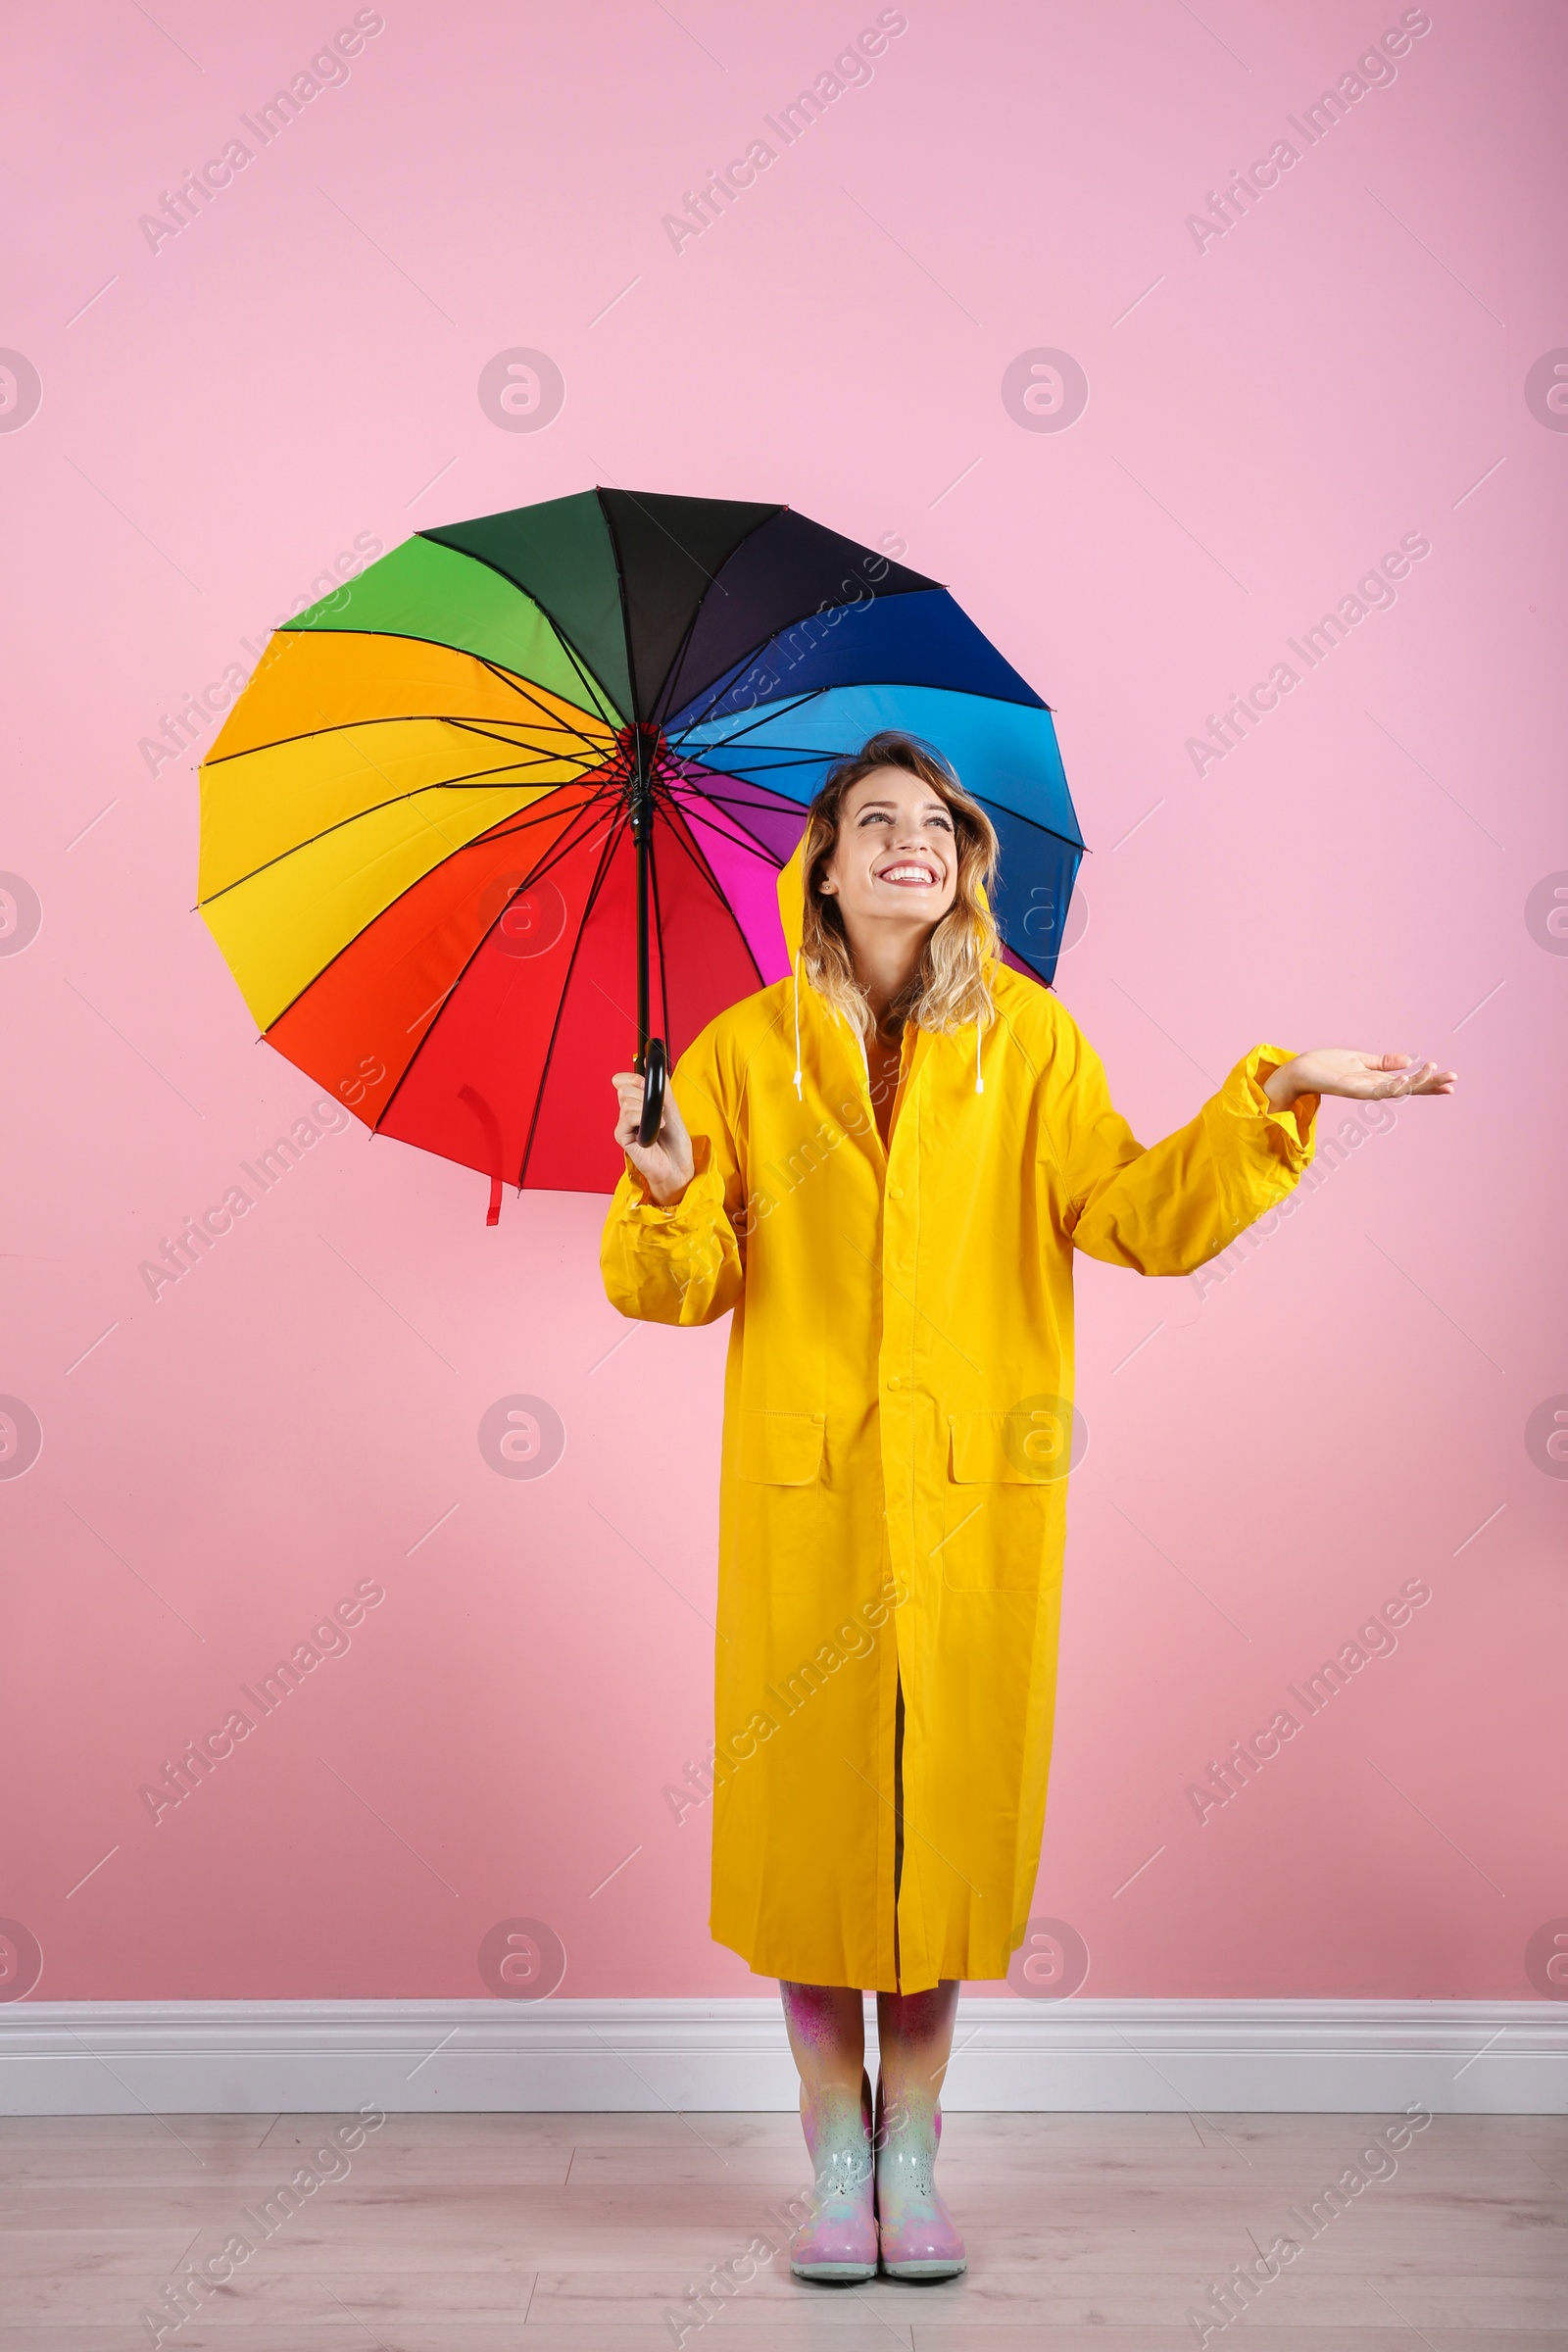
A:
[642,944]
[642,834]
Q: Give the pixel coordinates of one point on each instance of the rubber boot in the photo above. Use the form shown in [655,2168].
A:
[918,2234]
[837,2244]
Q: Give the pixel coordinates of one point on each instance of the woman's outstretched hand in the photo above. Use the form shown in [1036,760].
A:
[1340,1070]
[665,1165]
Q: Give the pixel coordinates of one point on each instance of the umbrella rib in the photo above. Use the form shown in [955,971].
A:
[710,577]
[722,775]
[1017,816]
[738,838]
[692,850]
[388,718]
[608,710]
[700,718]
[512,827]
[662,700]
[560,1005]
[975,694]
[724,799]
[681,831]
[791,755]
[756,651]
[534,874]
[393,718]
[631,661]
[596,756]
[673,671]
[774,805]
[591,755]
[495,833]
[799,759]
[745,840]
[737,669]
[530,690]
[441,646]
[729,800]
[560,850]
[748,660]
[473,555]
[472,780]
[452,784]
[801,755]
[569,841]
[780,710]
[795,620]
[520,822]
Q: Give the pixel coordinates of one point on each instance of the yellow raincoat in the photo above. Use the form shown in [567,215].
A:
[897,1418]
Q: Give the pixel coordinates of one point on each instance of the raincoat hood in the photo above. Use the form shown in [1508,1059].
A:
[791,898]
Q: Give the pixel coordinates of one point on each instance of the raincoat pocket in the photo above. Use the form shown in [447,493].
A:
[781,1449]
[1027,1447]
[778,1502]
[1004,1492]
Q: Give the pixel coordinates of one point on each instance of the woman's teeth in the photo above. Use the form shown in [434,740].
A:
[908,873]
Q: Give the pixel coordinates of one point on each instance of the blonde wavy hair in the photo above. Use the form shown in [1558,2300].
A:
[950,988]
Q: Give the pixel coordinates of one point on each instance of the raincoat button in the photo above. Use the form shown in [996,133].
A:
[895,1192]
[893,1380]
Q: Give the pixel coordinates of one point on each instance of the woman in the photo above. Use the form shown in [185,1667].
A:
[883,1166]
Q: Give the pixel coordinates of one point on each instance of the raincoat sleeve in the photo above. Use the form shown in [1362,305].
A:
[1171,1207]
[684,1264]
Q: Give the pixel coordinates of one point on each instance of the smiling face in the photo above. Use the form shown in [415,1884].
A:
[895,859]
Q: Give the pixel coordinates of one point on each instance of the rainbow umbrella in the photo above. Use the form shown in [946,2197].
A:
[507,809]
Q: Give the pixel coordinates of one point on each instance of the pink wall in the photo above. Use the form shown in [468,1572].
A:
[1272,1455]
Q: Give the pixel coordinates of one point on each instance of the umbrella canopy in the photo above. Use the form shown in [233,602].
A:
[424,820]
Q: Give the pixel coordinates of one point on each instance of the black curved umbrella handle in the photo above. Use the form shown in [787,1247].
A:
[654,1074]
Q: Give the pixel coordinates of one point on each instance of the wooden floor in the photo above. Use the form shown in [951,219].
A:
[468,2233]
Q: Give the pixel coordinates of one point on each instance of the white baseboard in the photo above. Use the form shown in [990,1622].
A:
[578,2056]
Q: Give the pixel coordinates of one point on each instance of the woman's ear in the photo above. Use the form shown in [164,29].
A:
[826,887]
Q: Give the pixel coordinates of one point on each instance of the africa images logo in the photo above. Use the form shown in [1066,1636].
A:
[522,1437]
